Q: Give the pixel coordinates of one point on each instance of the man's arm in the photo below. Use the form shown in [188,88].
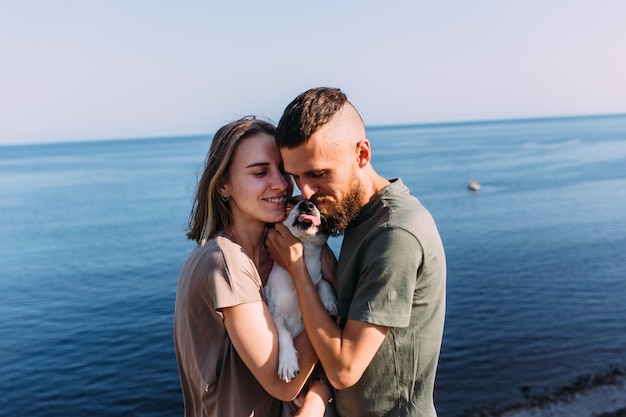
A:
[344,353]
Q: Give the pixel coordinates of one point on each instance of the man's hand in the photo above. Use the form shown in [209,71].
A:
[283,247]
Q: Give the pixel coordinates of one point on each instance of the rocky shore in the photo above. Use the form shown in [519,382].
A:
[602,395]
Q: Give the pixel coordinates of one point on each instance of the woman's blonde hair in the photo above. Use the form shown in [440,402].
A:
[210,214]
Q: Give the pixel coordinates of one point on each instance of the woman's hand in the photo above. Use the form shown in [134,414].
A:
[283,247]
[316,400]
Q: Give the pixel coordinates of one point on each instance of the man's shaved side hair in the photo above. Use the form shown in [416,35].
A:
[306,114]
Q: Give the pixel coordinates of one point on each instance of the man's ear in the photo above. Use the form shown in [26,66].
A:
[363,152]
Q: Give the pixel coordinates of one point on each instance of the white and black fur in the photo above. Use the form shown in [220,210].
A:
[303,221]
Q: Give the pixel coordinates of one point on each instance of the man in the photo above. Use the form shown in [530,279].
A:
[391,272]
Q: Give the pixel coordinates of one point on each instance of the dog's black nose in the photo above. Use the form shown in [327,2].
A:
[309,206]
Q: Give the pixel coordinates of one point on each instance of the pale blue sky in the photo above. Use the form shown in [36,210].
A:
[80,70]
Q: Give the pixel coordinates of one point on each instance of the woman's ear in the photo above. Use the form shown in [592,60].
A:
[222,190]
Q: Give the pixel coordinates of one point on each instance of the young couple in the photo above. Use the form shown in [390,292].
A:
[390,277]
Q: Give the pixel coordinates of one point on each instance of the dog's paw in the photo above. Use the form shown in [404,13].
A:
[288,364]
[332,307]
[327,296]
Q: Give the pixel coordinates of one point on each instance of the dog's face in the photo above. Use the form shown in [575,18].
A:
[304,220]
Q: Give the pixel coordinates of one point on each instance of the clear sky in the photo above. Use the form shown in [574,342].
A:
[81,70]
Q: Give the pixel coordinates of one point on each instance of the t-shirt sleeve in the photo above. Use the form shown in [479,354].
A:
[235,279]
[384,294]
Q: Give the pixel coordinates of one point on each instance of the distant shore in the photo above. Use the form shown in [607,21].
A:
[602,395]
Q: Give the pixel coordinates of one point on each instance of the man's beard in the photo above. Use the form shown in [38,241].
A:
[344,211]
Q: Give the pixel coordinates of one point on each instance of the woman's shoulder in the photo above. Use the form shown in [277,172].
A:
[236,261]
[220,258]
[226,246]
[232,253]
[217,251]
[219,243]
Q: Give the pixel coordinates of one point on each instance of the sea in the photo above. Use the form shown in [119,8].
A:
[92,238]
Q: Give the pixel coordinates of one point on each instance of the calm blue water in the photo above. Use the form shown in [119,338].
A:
[92,239]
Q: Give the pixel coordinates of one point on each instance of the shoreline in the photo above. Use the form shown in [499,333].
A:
[602,395]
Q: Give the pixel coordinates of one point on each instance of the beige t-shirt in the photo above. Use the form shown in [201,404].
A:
[214,379]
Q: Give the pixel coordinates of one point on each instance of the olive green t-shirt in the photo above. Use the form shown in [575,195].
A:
[392,272]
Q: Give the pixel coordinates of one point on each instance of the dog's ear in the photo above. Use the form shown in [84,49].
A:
[291,202]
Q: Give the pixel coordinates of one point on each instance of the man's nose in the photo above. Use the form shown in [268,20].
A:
[307,191]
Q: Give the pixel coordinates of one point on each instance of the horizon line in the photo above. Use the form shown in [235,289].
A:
[494,121]
[371,127]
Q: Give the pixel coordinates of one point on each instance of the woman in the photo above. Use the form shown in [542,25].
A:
[225,339]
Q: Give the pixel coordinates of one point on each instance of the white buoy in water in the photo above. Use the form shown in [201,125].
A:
[473,185]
